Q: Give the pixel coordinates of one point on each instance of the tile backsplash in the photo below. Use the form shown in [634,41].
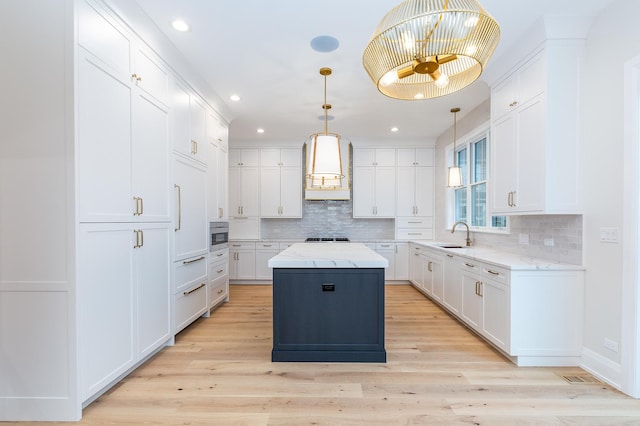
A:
[328,218]
[564,232]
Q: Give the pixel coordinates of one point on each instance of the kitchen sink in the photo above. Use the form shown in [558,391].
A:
[449,246]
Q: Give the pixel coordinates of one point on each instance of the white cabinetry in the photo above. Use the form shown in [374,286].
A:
[217,160]
[264,252]
[281,182]
[414,185]
[123,138]
[504,306]
[398,256]
[374,178]
[190,291]
[242,260]
[535,147]
[124,298]
[452,281]
[218,277]
[190,201]
[244,223]
[188,121]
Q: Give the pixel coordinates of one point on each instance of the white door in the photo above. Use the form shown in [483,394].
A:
[270,193]
[471,300]
[503,161]
[405,191]
[424,185]
[531,155]
[291,191]
[363,191]
[385,189]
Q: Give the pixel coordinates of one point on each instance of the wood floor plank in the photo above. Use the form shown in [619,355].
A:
[219,372]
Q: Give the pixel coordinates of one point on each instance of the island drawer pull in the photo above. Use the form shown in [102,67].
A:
[194,289]
[328,287]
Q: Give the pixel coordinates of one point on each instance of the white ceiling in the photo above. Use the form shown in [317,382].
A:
[261,51]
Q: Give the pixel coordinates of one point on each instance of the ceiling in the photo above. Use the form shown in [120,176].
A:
[260,50]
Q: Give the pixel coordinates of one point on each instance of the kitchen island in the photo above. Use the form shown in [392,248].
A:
[328,303]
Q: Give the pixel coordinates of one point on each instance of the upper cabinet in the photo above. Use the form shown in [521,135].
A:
[281,182]
[374,182]
[188,122]
[414,184]
[535,147]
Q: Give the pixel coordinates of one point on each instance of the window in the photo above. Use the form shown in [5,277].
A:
[469,202]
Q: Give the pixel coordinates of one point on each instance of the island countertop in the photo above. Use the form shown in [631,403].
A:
[328,255]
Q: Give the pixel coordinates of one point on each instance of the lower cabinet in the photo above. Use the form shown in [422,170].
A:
[123,300]
[190,291]
[398,256]
[264,252]
[533,316]
[242,260]
[218,278]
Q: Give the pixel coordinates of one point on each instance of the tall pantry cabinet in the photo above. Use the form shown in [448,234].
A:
[95,183]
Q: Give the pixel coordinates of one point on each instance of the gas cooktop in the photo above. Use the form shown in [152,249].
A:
[327,240]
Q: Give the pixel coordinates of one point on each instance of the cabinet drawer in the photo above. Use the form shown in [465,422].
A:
[218,291]
[495,273]
[414,234]
[189,305]
[267,246]
[242,245]
[189,272]
[218,269]
[385,246]
[284,246]
[220,255]
[414,222]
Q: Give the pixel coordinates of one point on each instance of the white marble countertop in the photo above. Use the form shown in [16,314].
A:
[328,255]
[504,259]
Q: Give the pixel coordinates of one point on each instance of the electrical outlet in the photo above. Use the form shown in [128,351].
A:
[548,242]
[611,345]
[523,239]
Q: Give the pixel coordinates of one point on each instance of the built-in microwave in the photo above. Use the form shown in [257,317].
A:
[219,235]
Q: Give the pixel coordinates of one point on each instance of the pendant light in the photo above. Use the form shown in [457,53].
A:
[454,177]
[324,166]
[429,48]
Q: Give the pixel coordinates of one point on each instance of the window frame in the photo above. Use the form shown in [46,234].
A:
[466,142]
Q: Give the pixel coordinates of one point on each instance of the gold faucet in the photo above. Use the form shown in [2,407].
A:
[465,224]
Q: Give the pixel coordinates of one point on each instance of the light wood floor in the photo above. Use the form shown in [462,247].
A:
[219,373]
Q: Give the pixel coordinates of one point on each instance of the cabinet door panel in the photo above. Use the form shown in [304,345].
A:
[424,185]
[471,302]
[180,133]
[198,118]
[153,78]
[212,182]
[424,157]
[222,172]
[291,192]
[249,191]
[291,157]
[405,191]
[385,200]
[363,196]
[503,156]
[270,192]
[531,155]
[104,151]
[150,162]
[191,210]
[496,313]
[154,289]
[105,304]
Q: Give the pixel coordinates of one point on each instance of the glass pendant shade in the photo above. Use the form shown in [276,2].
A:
[454,178]
[324,168]
[429,48]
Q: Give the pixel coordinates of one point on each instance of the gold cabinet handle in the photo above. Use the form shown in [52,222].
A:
[221,291]
[470,265]
[141,238]
[137,244]
[179,208]
[194,289]
[139,206]
[186,262]
[136,77]
[493,272]
[430,267]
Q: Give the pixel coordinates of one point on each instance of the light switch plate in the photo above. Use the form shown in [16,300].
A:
[609,235]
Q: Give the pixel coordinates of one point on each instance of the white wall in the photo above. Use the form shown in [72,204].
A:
[614,38]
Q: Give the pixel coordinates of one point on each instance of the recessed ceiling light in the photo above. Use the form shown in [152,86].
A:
[394,129]
[180,25]
[260,130]
[234,98]
[324,43]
